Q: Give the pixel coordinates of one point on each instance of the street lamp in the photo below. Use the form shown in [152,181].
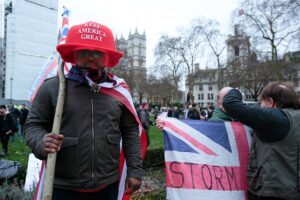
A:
[11,84]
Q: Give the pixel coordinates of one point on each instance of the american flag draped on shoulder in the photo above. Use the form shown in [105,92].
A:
[120,91]
[206,160]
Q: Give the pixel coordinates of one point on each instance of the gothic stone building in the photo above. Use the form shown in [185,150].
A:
[132,67]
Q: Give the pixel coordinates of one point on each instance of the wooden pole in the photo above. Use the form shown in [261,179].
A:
[51,159]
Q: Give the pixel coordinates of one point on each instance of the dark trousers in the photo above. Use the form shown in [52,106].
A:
[108,193]
[4,141]
[146,128]
[255,197]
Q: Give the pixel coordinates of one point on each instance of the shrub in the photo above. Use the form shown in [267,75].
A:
[154,158]
[21,175]
[14,191]
[158,195]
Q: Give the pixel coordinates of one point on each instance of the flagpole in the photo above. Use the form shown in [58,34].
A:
[51,159]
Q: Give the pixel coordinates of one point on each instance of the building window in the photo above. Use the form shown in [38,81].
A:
[210,96]
[200,96]
[200,87]
[210,88]
[249,96]
[236,50]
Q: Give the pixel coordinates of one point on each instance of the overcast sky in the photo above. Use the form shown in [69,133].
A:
[152,16]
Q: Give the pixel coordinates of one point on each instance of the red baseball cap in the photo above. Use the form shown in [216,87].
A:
[91,36]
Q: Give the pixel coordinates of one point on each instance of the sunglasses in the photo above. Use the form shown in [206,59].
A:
[86,53]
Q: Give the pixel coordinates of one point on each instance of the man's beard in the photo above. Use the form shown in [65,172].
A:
[93,74]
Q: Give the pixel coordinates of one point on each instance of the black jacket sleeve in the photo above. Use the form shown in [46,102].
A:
[131,144]
[39,121]
[269,124]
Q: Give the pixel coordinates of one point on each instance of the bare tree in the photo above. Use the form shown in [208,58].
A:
[168,59]
[160,90]
[191,49]
[275,22]
[253,78]
[210,30]
[135,78]
[255,75]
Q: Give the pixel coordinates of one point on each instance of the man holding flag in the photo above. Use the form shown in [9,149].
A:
[98,115]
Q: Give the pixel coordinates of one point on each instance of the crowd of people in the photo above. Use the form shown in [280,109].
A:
[12,119]
[191,112]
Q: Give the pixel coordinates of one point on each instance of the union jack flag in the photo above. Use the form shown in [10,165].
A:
[206,160]
[65,25]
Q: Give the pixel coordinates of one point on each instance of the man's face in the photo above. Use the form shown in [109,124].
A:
[2,111]
[220,101]
[89,60]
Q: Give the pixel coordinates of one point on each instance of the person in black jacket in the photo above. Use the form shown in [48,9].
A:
[23,117]
[6,128]
[210,110]
[273,171]
[16,114]
[193,113]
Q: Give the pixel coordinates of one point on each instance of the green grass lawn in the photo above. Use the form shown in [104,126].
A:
[19,151]
[156,138]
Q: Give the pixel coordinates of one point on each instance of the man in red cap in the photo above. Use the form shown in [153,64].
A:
[93,122]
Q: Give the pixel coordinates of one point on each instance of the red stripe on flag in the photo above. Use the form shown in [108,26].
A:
[65,21]
[67,70]
[124,85]
[185,135]
[243,151]
[121,167]
[203,176]
[39,186]
[124,100]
